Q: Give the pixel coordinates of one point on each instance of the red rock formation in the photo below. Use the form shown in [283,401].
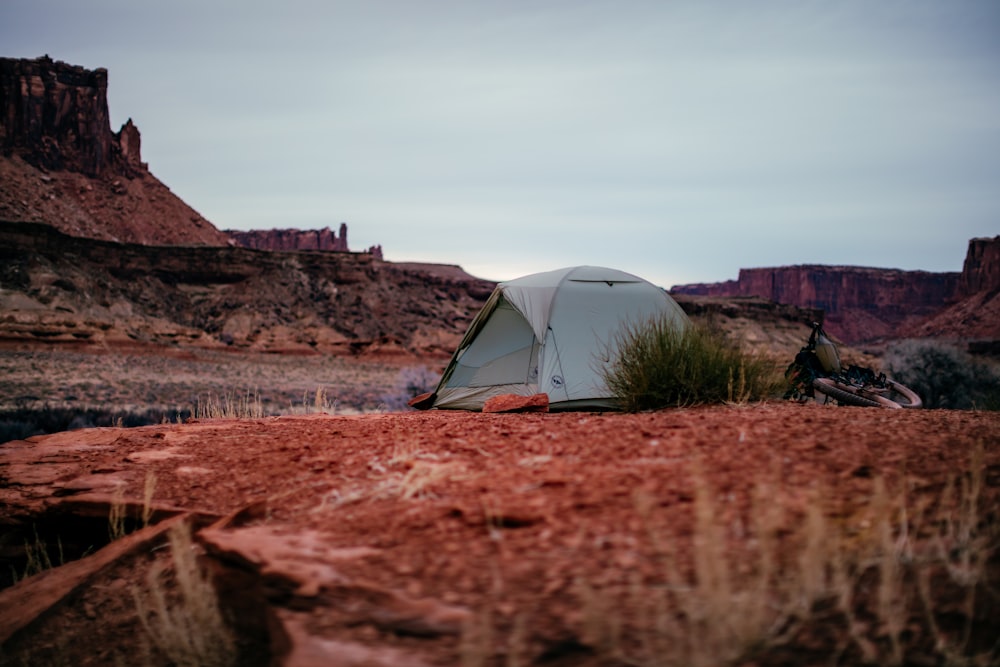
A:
[61,164]
[292,239]
[860,304]
[56,116]
[297,239]
[130,141]
[976,318]
[865,304]
[58,289]
[725,288]
[515,403]
[981,271]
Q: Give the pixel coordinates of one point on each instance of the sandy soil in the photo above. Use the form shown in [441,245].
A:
[773,534]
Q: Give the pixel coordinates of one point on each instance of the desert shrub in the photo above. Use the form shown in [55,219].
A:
[658,365]
[411,382]
[943,375]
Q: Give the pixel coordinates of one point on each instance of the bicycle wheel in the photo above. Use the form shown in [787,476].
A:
[851,395]
[903,395]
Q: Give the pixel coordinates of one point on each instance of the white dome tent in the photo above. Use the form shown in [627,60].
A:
[550,333]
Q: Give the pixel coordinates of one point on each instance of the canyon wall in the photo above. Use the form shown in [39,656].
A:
[60,163]
[860,304]
[981,270]
[324,239]
[975,319]
[56,116]
[863,304]
[62,290]
[292,239]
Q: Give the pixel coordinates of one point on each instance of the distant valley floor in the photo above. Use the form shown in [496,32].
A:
[50,389]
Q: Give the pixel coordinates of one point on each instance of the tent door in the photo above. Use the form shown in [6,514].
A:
[505,352]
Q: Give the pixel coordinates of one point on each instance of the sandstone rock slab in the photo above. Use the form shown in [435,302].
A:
[515,403]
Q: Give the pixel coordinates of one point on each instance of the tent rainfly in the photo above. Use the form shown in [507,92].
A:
[550,333]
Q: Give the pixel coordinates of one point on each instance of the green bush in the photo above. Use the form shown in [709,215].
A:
[658,365]
[943,375]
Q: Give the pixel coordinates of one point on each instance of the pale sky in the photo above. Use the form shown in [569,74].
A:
[679,141]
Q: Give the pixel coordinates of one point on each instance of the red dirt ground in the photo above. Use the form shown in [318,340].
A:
[532,539]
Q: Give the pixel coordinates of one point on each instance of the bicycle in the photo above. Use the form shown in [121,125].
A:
[817,368]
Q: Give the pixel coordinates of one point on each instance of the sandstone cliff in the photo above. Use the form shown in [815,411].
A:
[56,116]
[860,304]
[974,319]
[297,239]
[292,239]
[868,304]
[57,289]
[61,164]
[981,271]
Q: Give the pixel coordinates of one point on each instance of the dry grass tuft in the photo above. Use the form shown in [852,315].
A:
[186,626]
[148,488]
[231,406]
[37,559]
[117,514]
